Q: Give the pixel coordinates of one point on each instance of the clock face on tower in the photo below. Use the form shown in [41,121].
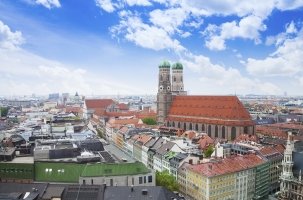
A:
[168,88]
[161,87]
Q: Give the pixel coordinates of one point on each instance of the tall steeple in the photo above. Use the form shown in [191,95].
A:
[164,96]
[287,164]
[177,78]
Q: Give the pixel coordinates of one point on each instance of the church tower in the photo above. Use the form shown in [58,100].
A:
[287,165]
[164,96]
[177,79]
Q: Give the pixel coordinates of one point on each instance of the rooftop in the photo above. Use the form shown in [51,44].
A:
[225,110]
[114,169]
[164,64]
[98,103]
[227,165]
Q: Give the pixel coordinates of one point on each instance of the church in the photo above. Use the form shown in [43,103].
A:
[219,116]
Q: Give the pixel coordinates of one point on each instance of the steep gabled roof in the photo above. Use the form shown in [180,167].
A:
[98,103]
[225,110]
[166,147]
[227,165]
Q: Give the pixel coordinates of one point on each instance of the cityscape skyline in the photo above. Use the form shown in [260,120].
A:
[106,47]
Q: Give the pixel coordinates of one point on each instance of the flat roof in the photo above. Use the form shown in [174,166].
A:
[28,160]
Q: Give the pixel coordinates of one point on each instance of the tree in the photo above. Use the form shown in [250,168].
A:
[3,111]
[209,151]
[166,180]
[149,121]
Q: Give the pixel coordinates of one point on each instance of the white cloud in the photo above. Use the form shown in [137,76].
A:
[285,61]
[138,2]
[106,5]
[291,30]
[169,19]
[8,38]
[49,3]
[185,34]
[145,35]
[24,73]
[214,77]
[247,28]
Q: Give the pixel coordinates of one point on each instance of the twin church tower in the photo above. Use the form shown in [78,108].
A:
[169,86]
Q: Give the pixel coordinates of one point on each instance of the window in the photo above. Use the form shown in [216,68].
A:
[92,181]
[197,127]
[144,179]
[140,180]
[209,131]
[223,132]
[150,179]
[111,182]
[216,131]
[233,133]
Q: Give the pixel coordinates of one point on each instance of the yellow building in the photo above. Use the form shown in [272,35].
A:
[221,179]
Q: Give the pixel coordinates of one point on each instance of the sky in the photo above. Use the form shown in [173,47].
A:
[114,47]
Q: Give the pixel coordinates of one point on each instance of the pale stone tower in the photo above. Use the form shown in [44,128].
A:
[177,79]
[287,165]
[164,96]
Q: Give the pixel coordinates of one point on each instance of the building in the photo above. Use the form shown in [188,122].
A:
[218,116]
[45,191]
[229,178]
[97,105]
[291,187]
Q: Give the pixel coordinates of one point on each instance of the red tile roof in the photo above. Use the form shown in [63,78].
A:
[143,138]
[225,110]
[247,137]
[117,123]
[123,106]
[98,103]
[270,150]
[205,141]
[271,131]
[189,134]
[227,165]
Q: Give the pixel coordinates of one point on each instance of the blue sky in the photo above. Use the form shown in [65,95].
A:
[115,47]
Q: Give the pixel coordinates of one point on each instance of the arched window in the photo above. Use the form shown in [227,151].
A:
[245,129]
[190,126]
[161,78]
[167,124]
[175,79]
[179,125]
[197,127]
[223,132]
[203,127]
[233,133]
[209,131]
[184,126]
[173,124]
[216,131]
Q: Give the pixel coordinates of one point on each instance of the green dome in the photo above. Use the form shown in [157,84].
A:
[164,64]
[177,66]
